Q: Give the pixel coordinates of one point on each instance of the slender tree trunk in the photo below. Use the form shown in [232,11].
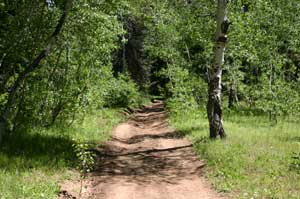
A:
[124,62]
[9,106]
[233,99]
[214,106]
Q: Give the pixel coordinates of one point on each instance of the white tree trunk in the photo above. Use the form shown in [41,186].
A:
[214,106]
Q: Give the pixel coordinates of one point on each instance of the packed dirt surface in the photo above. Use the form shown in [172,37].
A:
[145,159]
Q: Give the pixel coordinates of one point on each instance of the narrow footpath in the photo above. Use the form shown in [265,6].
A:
[146,159]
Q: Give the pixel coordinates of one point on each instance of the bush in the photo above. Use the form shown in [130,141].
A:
[187,90]
[121,92]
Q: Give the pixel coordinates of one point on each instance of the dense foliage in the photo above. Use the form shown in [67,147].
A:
[165,46]
[63,60]
[74,77]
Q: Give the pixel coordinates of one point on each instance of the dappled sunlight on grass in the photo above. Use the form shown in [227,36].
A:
[254,161]
[32,161]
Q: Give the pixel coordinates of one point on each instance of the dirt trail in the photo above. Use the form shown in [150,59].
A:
[146,159]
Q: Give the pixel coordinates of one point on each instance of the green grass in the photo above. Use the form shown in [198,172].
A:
[33,162]
[257,160]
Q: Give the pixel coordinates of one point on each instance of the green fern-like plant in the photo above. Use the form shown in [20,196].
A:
[85,157]
[86,160]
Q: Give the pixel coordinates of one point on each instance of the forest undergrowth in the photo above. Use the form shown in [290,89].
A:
[33,162]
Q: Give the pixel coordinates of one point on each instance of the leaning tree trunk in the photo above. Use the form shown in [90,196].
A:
[214,106]
[9,106]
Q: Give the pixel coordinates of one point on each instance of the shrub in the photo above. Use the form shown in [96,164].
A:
[295,163]
[121,92]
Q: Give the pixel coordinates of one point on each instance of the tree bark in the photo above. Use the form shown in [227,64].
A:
[214,105]
[233,99]
[32,67]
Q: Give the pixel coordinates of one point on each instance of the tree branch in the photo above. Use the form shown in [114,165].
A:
[33,66]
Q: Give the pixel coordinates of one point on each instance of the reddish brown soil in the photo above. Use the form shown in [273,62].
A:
[146,159]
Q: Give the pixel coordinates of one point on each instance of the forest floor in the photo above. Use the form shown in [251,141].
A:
[144,159]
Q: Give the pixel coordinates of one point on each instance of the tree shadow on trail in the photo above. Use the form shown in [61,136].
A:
[170,165]
[23,151]
[145,168]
